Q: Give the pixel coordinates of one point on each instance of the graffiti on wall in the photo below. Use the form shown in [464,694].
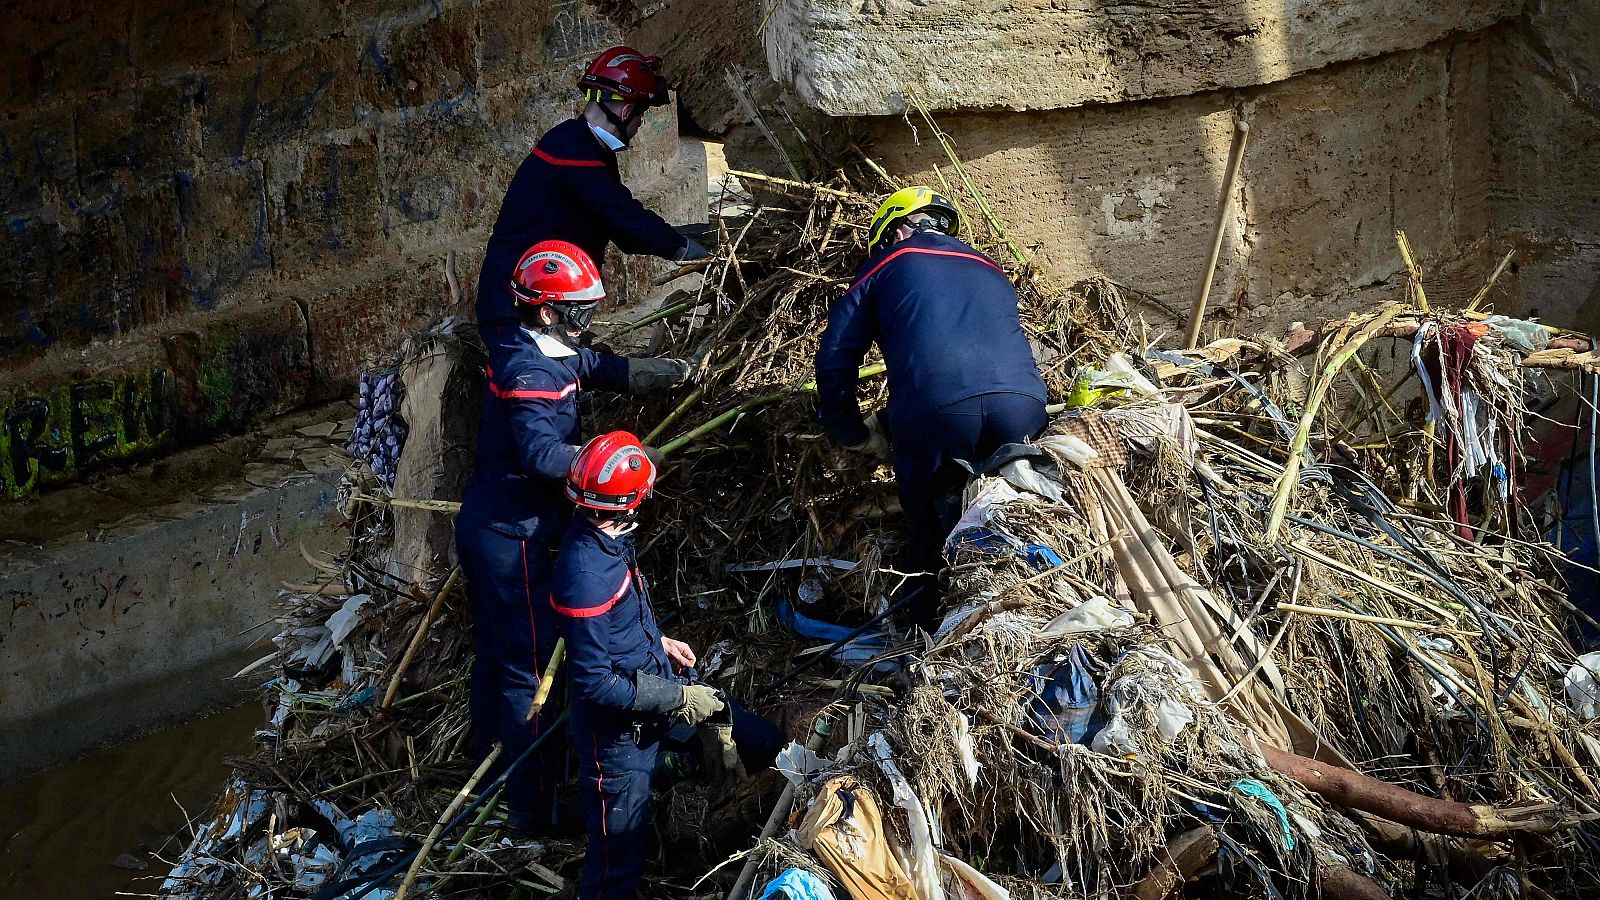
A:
[52,437]
[574,32]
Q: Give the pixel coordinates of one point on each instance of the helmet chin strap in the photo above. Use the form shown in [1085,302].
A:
[559,332]
[618,122]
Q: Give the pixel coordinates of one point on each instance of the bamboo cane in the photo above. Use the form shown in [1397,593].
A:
[729,415]
[819,732]
[444,506]
[461,796]
[1357,617]
[1297,448]
[1197,312]
[420,636]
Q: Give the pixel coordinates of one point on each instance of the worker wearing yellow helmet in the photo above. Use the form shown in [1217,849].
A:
[962,378]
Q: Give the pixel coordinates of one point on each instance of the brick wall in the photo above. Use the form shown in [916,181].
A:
[221,209]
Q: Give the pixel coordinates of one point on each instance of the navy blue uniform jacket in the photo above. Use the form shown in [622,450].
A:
[945,317]
[605,615]
[568,189]
[529,432]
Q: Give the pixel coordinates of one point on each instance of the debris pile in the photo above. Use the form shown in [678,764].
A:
[1246,621]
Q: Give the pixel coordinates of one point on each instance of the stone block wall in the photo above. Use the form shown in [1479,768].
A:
[252,199]
[1102,133]
[846,58]
[1462,144]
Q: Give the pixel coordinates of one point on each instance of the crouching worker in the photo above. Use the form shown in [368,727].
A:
[514,515]
[962,378]
[630,684]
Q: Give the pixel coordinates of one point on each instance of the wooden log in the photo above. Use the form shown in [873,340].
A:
[1441,852]
[1342,883]
[1185,855]
[1353,790]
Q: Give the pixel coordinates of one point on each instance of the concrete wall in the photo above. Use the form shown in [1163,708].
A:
[191,189]
[1338,159]
[846,58]
[143,623]
[1101,133]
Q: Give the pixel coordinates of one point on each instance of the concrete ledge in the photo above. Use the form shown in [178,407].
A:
[144,604]
[846,58]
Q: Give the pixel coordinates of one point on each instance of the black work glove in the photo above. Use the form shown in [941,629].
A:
[653,694]
[691,251]
[705,232]
[656,457]
[650,374]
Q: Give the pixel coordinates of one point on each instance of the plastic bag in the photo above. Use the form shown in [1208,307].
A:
[1583,686]
[1094,614]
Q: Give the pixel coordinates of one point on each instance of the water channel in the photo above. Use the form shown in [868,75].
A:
[93,827]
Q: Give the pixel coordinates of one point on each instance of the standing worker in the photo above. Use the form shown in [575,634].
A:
[568,188]
[631,685]
[513,514]
[962,378]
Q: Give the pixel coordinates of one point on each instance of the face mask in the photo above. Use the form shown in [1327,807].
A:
[577,316]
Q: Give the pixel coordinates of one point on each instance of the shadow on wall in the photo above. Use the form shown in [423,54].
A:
[172,157]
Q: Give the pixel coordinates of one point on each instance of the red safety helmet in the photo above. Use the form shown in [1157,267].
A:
[623,73]
[611,473]
[556,272]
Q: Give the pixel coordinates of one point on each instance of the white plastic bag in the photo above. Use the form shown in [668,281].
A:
[1583,686]
[1095,614]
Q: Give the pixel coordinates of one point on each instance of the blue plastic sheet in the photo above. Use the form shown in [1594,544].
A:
[1066,698]
[856,652]
[797,884]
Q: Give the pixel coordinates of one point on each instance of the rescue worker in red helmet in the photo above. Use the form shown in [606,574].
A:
[962,378]
[513,513]
[569,189]
[633,689]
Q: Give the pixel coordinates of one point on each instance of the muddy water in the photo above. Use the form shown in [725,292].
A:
[68,833]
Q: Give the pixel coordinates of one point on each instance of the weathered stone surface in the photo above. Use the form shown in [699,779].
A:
[420,63]
[848,59]
[293,94]
[354,327]
[326,204]
[60,48]
[72,414]
[223,214]
[575,32]
[512,42]
[37,153]
[239,367]
[699,41]
[437,171]
[274,24]
[1338,159]
[173,34]
[1543,188]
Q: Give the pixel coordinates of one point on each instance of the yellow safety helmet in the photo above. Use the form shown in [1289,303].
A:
[903,203]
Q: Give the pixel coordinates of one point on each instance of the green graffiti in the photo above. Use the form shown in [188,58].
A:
[54,437]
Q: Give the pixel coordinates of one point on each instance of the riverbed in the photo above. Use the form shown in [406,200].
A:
[93,828]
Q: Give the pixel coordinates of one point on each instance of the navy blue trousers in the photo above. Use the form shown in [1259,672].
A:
[615,763]
[513,635]
[929,482]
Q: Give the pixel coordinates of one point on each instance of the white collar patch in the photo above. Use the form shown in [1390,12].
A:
[549,346]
